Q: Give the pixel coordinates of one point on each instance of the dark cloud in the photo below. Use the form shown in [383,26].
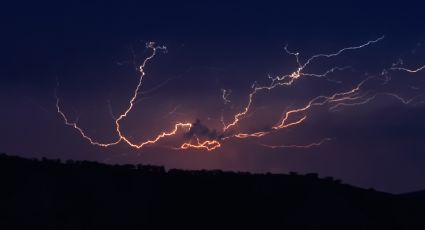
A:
[200,130]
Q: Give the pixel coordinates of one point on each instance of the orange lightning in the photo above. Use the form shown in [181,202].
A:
[291,118]
[121,137]
[208,145]
[80,130]
[162,135]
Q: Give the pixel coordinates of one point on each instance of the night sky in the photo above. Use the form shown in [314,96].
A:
[93,49]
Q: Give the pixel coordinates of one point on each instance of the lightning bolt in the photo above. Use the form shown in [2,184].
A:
[351,97]
[121,136]
[289,79]
[291,118]
[80,130]
[208,145]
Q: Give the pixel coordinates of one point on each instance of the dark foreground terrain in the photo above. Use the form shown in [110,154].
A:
[48,194]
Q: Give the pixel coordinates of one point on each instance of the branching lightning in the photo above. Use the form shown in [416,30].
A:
[353,97]
[289,79]
[121,136]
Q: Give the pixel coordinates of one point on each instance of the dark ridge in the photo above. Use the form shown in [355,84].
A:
[419,195]
[50,194]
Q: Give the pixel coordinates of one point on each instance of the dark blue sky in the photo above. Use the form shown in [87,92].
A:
[94,47]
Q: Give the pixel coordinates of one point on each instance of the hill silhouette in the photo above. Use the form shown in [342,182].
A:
[50,194]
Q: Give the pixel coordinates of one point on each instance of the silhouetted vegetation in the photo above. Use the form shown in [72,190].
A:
[49,194]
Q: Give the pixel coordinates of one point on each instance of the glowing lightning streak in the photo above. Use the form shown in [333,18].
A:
[162,135]
[154,48]
[279,80]
[342,96]
[368,99]
[340,51]
[409,70]
[299,146]
[121,137]
[348,98]
[208,145]
[80,130]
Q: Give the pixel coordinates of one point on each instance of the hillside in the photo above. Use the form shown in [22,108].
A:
[49,194]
